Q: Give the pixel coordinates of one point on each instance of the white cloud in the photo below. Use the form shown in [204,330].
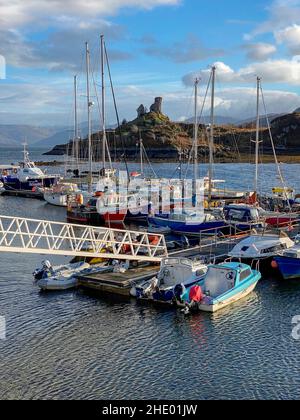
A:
[290,37]
[260,51]
[15,13]
[271,71]
[282,13]
[52,104]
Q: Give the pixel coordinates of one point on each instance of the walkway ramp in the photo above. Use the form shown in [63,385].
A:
[19,235]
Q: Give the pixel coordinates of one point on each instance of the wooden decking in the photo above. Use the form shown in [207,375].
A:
[118,283]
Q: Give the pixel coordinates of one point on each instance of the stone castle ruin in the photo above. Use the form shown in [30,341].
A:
[156,107]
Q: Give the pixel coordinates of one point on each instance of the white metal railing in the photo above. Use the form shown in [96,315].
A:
[31,236]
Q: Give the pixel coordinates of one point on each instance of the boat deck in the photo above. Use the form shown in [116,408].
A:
[121,283]
[118,283]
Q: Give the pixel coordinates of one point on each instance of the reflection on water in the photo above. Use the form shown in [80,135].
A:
[79,345]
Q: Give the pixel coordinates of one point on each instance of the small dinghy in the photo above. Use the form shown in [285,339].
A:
[223,285]
[59,278]
[174,275]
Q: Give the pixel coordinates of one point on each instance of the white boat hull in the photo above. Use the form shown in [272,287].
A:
[57,284]
[58,200]
[231,300]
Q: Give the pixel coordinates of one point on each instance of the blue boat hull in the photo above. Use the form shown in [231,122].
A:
[187,228]
[289,267]
[14,184]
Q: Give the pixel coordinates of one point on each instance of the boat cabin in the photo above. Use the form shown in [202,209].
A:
[178,270]
[241,213]
[257,246]
[222,278]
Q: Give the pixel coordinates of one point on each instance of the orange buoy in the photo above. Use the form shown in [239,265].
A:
[274,264]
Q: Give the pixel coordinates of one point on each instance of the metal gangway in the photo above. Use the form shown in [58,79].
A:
[19,235]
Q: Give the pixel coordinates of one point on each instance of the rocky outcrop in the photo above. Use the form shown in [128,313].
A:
[141,111]
[165,140]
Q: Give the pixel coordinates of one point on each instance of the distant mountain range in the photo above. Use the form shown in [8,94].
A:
[249,122]
[15,135]
[44,137]
[220,120]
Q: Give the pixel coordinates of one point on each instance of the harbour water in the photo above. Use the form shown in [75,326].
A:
[76,345]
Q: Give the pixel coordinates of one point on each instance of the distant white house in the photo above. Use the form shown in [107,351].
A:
[2,67]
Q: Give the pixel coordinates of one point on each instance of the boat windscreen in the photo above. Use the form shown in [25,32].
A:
[219,281]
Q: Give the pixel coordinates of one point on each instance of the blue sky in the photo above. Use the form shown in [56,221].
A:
[157,48]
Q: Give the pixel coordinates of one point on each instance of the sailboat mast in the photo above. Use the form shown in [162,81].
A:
[104,140]
[141,154]
[211,139]
[89,105]
[257,137]
[76,131]
[196,129]
[75,109]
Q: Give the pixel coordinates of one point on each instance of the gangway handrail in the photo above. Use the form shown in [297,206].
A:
[46,237]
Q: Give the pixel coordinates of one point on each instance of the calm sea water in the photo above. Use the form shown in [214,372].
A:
[74,345]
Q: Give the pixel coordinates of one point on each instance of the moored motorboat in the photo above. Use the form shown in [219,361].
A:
[174,275]
[222,285]
[61,194]
[243,217]
[26,177]
[261,249]
[288,262]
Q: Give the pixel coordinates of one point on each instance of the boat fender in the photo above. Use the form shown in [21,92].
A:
[79,199]
[274,264]
[196,294]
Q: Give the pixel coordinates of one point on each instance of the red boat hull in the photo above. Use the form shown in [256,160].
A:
[280,221]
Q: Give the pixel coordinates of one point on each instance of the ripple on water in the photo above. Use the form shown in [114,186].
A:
[73,345]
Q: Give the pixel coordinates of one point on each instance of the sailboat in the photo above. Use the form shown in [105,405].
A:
[192,221]
[271,218]
[100,204]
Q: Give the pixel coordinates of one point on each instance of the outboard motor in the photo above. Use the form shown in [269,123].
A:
[41,273]
[185,242]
